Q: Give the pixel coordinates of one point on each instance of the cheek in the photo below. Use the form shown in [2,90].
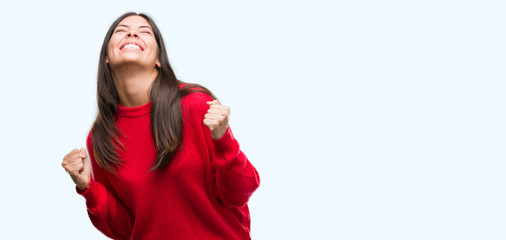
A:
[155,50]
[152,45]
[112,44]
[109,50]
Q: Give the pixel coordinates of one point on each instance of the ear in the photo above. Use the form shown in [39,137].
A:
[158,63]
[107,60]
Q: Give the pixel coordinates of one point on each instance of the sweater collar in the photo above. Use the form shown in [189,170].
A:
[134,111]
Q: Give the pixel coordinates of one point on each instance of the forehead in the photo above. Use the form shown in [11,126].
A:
[134,21]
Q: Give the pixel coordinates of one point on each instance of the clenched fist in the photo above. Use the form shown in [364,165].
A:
[216,119]
[76,163]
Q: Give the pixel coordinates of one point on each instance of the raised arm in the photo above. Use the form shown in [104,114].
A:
[105,210]
[235,177]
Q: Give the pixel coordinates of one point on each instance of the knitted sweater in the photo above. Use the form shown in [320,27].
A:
[201,194]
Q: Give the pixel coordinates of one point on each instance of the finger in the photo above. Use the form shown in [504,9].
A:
[87,164]
[83,153]
[218,116]
[210,123]
[217,106]
[211,116]
[220,108]
[212,102]
[71,153]
[74,168]
[73,165]
[72,158]
[217,111]
[71,162]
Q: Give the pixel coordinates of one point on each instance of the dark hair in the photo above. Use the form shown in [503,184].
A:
[165,96]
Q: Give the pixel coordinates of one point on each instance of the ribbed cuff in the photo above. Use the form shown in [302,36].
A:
[83,192]
[91,194]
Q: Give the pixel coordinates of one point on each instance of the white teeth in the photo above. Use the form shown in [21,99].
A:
[131,46]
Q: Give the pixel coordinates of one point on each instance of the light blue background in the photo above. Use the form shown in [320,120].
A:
[365,119]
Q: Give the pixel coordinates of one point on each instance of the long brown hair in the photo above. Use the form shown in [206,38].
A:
[165,96]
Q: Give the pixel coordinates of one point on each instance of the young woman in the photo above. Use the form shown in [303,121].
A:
[165,163]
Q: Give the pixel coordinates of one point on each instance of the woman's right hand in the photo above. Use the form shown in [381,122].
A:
[76,163]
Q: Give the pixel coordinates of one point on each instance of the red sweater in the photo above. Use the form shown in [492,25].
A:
[201,194]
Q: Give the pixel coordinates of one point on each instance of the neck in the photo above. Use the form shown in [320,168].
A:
[133,84]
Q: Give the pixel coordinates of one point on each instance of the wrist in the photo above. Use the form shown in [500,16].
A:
[219,132]
[83,186]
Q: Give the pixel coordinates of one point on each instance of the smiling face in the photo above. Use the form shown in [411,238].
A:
[133,42]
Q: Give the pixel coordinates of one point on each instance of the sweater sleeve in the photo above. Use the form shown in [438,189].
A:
[105,210]
[235,177]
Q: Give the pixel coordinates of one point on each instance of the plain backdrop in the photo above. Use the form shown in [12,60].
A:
[365,119]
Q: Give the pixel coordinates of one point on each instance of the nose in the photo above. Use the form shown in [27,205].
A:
[133,34]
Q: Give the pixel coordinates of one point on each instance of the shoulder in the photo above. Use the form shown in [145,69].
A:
[195,97]
[196,102]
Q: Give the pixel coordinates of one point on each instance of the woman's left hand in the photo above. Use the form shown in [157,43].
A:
[216,119]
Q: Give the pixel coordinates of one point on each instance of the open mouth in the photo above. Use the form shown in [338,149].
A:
[131,46]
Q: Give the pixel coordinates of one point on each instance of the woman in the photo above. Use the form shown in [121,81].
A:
[165,163]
